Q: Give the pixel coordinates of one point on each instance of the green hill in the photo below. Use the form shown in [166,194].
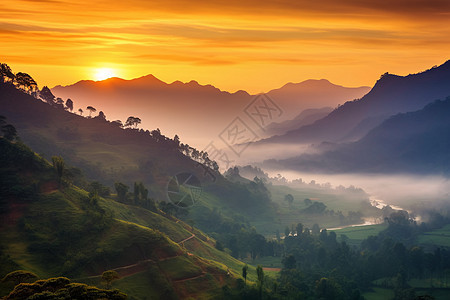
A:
[66,231]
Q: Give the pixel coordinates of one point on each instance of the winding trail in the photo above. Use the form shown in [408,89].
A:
[187,239]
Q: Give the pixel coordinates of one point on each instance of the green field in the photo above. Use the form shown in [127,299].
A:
[359,233]
[438,237]
[379,294]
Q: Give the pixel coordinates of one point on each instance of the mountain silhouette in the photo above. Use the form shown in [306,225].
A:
[391,94]
[413,142]
[197,113]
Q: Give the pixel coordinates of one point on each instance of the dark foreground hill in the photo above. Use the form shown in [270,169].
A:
[53,228]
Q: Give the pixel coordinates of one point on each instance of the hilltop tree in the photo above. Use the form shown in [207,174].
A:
[6,74]
[26,83]
[132,121]
[91,110]
[47,95]
[80,111]
[69,104]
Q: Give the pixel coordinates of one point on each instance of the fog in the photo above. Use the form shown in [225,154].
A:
[254,153]
[404,190]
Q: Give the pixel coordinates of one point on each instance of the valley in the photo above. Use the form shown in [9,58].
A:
[86,198]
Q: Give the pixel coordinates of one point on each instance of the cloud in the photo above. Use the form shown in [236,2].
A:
[223,33]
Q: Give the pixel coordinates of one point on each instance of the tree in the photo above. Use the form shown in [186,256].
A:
[91,110]
[118,123]
[327,289]
[121,190]
[80,111]
[69,104]
[244,273]
[6,74]
[289,198]
[26,83]
[9,132]
[109,276]
[260,274]
[20,276]
[299,229]
[60,103]
[101,116]
[132,121]
[47,95]
[315,229]
[58,165]
[289,262]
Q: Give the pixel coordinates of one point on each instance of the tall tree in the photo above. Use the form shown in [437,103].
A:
[91,110]
[6,74]
[260,274]
[244,273]
[132,121]
[69,104]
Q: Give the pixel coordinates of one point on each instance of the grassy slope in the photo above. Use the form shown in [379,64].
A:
[62,233]
[110,154]
[435,238]
[359,233]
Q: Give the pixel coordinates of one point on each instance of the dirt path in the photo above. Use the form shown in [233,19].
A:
[189,278]
[187,239]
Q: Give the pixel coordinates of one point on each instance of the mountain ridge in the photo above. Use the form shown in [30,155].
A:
[390,95]
[192,107]
[412,142]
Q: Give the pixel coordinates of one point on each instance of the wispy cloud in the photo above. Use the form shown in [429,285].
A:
[223,33]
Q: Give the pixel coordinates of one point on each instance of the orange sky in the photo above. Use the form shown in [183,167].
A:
[231,44]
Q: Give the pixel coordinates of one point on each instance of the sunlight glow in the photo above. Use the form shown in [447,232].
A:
[104,73]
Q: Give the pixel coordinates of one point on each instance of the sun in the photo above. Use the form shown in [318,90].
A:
[104,73]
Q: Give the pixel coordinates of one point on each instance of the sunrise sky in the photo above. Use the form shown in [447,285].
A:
[251,45]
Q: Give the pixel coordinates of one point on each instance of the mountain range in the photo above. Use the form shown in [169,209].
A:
[392,94]
[197,113]
[414,139]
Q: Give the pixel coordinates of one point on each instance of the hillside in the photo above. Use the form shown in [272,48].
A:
[54,231]
[414,142]
[391,95]
[306,117]
[100,148]
[195,108]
